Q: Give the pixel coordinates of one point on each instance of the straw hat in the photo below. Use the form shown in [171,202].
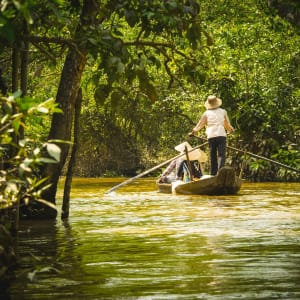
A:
[193,155]
[212,102]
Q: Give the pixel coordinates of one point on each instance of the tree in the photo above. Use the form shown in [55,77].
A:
[99,34]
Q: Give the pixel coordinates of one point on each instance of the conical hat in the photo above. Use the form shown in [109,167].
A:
[196,154]
[181,147]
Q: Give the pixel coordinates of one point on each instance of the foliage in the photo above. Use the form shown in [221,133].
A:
[19,177]
[251,63]
[150,68]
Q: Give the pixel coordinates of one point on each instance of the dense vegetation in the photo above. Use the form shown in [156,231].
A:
[131,77]
[247,55]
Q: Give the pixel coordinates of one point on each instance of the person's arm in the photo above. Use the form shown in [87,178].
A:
[169,168]
[202,122]
[227,124]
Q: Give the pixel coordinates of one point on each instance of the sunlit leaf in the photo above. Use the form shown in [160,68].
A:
[54,151]
[36,151]
[5,119]
[43,110]
[22,142]
[46,160]
[49,269]
[11,187]
[31,275]
[24,168]
[47,203]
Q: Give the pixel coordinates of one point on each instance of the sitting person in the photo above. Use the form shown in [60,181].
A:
[178,168]
[169,173]
[185,174]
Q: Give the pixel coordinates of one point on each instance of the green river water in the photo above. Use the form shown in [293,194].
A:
[136,243]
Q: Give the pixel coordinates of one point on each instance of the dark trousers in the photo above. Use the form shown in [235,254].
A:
[217,146]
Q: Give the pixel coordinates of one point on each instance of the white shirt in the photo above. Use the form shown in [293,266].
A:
[216,121]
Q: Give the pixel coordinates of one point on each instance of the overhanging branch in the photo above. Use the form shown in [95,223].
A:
[157,46]
[50,40]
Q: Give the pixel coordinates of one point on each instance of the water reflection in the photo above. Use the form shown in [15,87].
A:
[138,244]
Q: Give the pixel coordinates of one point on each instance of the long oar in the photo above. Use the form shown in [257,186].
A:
[188,163]
[255,155]
[151,170]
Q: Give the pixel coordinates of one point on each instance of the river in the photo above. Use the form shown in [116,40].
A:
[136,243]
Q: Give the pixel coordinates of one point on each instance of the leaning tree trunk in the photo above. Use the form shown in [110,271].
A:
[61,126]
[62,122]
[69,175]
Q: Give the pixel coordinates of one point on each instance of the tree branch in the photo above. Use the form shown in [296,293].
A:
[59,41]
[157,46]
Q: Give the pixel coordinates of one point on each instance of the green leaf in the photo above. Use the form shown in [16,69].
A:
[43,110]
[8,32]
[22,143]
[4,119]
[54,151]
[46,160]
[36,151]
[47,203]
[120,67]
[131,17]
[16,125]
[101,94]
[115,97]
[149,89]
[24,168]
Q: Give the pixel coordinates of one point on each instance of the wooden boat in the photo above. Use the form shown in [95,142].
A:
[224,183]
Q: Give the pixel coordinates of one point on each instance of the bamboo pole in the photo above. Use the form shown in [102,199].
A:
[152,169]
[255,155]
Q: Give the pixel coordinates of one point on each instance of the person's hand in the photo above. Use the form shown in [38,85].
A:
[192,133]
[163,179]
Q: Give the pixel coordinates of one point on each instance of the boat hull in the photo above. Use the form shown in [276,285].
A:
[224,183]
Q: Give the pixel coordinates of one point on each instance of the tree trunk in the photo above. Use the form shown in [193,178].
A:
[24,73]
[68,182]
[61,126]
[15,68]
[24,62]
[15,86]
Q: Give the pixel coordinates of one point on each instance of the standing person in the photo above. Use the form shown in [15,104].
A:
[217,122]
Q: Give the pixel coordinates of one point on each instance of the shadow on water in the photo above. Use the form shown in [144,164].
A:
[136,243]
[46,250]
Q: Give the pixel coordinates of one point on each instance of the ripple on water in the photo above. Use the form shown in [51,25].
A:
[136,243]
